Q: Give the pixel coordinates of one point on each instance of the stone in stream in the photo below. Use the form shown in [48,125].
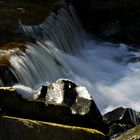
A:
[66,92]
[77,98]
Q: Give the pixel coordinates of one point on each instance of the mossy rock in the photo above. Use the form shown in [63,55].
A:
[23,129]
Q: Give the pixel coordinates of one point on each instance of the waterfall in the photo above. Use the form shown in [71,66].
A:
[62,50]
[62,28]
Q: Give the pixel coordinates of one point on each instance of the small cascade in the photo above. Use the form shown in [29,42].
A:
[40,63]
[61,27]
[6,75]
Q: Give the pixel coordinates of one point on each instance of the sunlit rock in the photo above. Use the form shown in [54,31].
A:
[66,92]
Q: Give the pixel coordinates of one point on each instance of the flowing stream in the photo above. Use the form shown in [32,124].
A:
[64,50]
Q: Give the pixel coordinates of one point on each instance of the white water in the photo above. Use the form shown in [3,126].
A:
[104,68]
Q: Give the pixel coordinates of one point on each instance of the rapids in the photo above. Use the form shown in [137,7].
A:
[64,50]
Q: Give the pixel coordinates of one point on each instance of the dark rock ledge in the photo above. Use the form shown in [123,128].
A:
[45,108]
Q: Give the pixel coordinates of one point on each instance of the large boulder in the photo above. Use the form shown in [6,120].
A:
[23,129]
[83,109]
[74,110]
[67,93]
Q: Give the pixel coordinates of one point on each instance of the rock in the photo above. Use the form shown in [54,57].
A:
[42,94]
[124,115]
[6,76]
[66,92]
[17,128]
[62,91]
[121,119]
[117,128]
[77,99]
[132,134]
[13,104]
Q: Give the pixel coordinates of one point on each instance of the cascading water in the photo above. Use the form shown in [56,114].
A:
[105,69]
